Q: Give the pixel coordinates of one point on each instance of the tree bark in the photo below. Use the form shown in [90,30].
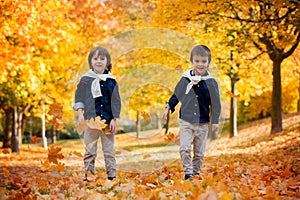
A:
[8,128]
[276,113]
[44,138]
[233,108]
[159,126]
[138,124]
[298,107]
[167,122]
[15,144]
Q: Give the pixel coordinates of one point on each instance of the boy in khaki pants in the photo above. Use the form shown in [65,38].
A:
[198,93]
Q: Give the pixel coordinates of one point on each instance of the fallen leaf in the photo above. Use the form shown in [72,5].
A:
[5,151]
[5,172]
[145,115]
[54,154]
[34,139]
[76,153]
[233,95]
[169,137]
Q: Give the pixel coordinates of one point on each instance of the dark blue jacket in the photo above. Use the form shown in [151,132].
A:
[196,105]
[108,106]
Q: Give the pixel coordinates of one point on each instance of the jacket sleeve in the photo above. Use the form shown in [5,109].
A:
[215,101]
[116,102]
[80,95]
[176,97]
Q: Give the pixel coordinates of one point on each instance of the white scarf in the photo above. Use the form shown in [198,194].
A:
[194,79]
[95,87]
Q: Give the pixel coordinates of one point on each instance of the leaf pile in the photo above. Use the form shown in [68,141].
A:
[250,166]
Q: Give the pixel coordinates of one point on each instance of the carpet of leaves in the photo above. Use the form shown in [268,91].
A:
[253,165]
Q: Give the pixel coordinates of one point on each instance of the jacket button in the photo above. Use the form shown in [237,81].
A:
[195,113]
[196,105]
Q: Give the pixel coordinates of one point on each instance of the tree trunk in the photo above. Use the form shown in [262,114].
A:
[233,108]
[298,107]
[19,126]
[158,122]
[138,124]
[276,113]
[23,123]
[8,128]
[15,144]
[44,138]
[53,135]
[167,122]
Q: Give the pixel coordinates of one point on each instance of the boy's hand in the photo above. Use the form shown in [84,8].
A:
[80,118]
[214,127]
[113,126]
[165,114]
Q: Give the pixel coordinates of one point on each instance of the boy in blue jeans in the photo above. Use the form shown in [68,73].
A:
[199,95]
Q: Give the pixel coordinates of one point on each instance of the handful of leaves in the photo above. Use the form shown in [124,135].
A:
[92,123]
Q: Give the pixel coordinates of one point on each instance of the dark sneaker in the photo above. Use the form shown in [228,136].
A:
[111,178]
[188,177]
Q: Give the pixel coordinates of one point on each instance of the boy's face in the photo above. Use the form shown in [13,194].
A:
[99,63]
[200,64]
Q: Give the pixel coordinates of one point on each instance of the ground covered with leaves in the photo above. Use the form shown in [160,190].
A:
[253,165]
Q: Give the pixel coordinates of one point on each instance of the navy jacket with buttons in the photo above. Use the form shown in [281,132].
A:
[108,106]
[196,105]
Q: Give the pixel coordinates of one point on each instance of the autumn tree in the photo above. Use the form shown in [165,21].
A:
[270,26]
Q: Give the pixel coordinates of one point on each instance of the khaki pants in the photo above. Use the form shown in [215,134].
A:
[195,133]
[91,137]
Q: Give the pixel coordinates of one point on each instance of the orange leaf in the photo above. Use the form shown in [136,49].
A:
[5,172]
[45,164]
[145,115]
[56,110]
[169,137]
[76,153]
[5,151]
[59,167]
[232,95]
[57,123]
[35,139]
[54,155]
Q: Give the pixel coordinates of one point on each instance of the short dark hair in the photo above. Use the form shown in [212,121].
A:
[101,51]
[201,50]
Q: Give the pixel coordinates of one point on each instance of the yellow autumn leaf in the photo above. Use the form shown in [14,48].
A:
[76,153]
[96,123]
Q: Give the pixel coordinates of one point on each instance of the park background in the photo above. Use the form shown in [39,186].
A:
[44,46]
